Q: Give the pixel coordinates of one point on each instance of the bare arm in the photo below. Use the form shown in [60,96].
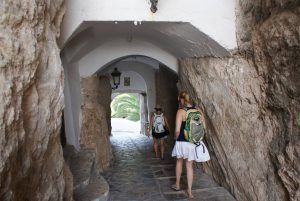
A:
[151,120]
[151,125]
[178,124]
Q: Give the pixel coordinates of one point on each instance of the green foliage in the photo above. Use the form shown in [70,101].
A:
[126,105]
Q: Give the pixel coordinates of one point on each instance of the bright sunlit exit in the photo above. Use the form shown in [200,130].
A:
[125,113]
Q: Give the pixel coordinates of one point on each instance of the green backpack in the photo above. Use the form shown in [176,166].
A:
[194,130]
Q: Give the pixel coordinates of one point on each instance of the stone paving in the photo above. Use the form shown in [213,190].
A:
[137,176]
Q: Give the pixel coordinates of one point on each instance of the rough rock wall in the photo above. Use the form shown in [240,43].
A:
[31,96]
[96,93]
[253,16]
[274,47]
[166,94]
[252,101]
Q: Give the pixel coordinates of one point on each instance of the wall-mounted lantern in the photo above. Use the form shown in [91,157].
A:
[116,75]
[153,7]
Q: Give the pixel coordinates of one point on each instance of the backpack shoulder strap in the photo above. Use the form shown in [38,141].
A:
[191,110]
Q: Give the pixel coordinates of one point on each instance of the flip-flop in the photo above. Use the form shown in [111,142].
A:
[187,193]
[175,188]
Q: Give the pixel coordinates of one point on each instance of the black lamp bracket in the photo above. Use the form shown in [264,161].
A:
[153,7]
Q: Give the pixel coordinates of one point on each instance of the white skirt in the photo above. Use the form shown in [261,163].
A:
[186,150]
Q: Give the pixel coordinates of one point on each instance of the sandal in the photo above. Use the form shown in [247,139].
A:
[175,188]
[190,196]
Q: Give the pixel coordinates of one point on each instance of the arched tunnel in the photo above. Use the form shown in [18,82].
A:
[102,45]
[238,60]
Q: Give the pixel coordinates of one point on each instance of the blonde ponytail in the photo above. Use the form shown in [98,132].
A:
[185,97]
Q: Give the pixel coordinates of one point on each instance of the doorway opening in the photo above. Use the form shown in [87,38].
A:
[125,113]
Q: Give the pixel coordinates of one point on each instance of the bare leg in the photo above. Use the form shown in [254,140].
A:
[179,164]
[162,148]
[190,174]
[155,146]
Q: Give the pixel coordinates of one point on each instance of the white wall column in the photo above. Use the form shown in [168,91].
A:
[72,112]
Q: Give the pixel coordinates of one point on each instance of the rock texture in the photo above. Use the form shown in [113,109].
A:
[96,93]
[166,94]
[88,184]
[252,101]
[68,194]
[31,95]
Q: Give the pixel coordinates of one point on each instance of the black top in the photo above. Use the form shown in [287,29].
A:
[181,134]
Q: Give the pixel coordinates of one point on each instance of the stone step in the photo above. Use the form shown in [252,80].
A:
[204,187]
[201,181]
[205,194]
[81,165]
[97,190]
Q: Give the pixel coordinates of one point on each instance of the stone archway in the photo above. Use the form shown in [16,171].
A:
[251,96]
[136,85]
[160,83]
[99,44]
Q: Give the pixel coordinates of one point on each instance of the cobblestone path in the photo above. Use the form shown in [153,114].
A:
[137,176]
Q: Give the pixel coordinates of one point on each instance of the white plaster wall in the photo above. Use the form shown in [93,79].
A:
[72,110]
[216,18]
[112,50]
[137,83]
[144,115]
[163,40]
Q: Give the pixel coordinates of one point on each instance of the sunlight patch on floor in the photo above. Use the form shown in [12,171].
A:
[120,126]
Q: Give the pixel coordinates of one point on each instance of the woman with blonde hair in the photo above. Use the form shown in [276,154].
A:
[183,149]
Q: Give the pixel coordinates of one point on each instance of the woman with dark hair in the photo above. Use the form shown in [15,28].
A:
[183,149]
[160,129]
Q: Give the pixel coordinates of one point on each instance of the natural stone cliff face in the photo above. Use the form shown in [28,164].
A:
[253,16]
[68,191]
[96,93]
[252,101]
[166,94]
[31,95]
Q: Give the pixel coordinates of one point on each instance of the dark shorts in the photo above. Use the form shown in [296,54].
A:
[160,135]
